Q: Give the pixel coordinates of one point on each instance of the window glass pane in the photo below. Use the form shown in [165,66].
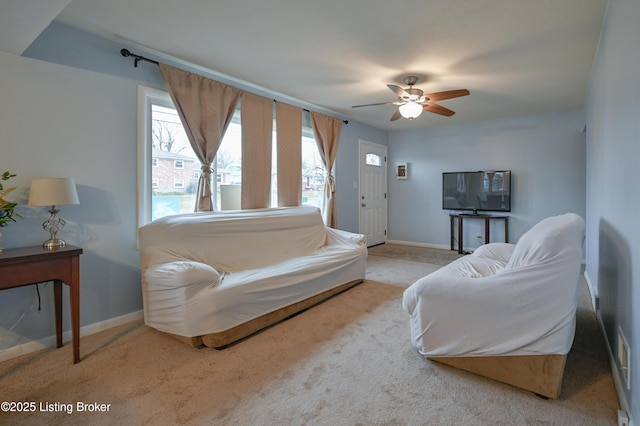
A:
[312,171]
[177,169]
[229,166]
[175,165]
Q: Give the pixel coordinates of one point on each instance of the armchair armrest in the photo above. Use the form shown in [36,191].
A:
[498,251]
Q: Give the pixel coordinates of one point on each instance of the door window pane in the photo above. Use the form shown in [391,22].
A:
[371,159]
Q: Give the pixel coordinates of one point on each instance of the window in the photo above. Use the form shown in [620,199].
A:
[168,170]
[373,159]
[312,168]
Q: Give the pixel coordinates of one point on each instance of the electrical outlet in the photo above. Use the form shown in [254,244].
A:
[624,358]
[623,418]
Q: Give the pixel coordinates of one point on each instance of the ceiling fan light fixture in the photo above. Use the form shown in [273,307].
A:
[410,110]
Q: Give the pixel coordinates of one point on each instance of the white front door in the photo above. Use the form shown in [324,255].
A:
[372,195]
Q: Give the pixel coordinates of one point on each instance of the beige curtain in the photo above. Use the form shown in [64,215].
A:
[289,133]
[205,108]
[327,132]
[257,127]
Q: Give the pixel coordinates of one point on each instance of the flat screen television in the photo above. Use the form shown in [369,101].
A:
[481,191]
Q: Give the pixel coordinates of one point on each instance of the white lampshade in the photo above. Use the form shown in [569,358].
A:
[53,192]
[410,110]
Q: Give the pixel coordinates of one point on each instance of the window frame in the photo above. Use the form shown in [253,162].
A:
[147,96]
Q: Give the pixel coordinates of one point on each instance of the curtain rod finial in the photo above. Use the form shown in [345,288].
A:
[137,58]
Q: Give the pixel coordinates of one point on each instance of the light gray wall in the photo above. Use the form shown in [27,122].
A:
[59,121]
[546,154]
[613,201]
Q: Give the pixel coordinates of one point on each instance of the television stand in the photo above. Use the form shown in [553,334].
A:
[487,227]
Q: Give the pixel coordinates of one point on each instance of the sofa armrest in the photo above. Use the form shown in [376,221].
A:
[346,235]
[182,273]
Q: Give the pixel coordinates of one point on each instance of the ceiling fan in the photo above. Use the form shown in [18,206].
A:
[411,102]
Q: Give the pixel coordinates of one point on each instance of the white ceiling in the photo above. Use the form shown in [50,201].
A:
[21,21]
[516,57]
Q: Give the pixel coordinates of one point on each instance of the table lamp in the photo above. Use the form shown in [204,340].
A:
[53,192]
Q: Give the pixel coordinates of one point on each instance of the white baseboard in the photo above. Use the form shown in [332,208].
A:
[411,243]
[592,291]
[87,330]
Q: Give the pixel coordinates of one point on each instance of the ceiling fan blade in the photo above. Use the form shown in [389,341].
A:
[437,109]
[398,91]
[396,115]
[366,105]
[449,94]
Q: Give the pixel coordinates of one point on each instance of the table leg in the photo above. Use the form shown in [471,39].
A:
[487,230]
[74,299]
[460,245]
[506,230]
[57,296]
[451,230]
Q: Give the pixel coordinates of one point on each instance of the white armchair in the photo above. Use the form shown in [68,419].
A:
[506,311]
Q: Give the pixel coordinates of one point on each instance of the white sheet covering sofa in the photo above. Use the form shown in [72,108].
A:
[217,277]
[496,311]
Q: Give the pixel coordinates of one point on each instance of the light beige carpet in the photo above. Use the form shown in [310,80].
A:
[347,361]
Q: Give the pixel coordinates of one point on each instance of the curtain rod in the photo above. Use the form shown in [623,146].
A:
[137,58]
[306,110]
[126,53]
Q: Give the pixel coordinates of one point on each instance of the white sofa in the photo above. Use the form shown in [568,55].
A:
[217,277]
[506,310]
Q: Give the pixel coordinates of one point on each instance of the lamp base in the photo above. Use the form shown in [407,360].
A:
[54,243]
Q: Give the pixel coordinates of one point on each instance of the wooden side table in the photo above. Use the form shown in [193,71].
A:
[487,227]
[33,265]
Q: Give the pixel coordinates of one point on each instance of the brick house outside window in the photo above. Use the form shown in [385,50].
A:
[166,172]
